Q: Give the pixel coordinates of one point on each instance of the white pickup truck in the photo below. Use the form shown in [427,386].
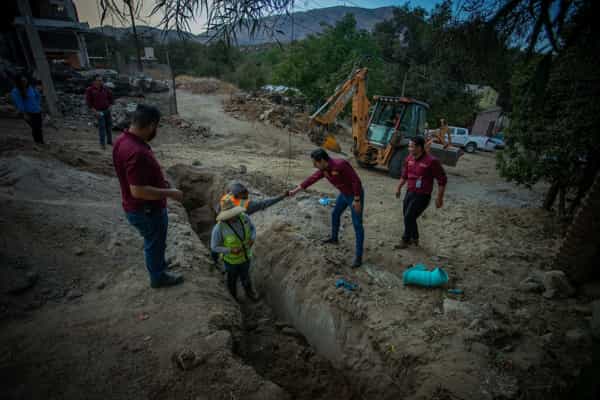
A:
[470,143]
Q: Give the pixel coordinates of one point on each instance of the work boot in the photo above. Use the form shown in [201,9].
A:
[357,262]
[403,245]
[251,294]
[330,241]
[166,279]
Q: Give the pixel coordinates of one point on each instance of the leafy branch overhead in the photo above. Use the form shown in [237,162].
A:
[224,18]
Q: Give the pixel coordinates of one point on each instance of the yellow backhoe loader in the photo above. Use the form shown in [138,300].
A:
[380,131]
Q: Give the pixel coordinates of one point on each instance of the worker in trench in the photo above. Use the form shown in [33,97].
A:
[239,195]
[419,171]
[233,236]
[340,174]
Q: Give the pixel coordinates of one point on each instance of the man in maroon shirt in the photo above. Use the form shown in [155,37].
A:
[144,191]
[99,98]
[419,171]
[341,175]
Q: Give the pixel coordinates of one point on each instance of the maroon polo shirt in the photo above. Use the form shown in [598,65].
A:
[340,174]
[135,165]
[425,168]
[98,98]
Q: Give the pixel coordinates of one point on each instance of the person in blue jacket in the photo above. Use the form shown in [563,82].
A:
[27,99]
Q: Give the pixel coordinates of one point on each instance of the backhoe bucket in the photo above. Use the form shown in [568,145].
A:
[447,156]
[330,143]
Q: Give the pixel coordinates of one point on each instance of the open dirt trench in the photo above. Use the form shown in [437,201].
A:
[276,349]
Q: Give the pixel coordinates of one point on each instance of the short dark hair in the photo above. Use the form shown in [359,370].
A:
[319,154]
[145,115]
[419,141]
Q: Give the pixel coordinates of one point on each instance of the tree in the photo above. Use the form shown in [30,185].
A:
[553,135]
[319,63]
[424,61]
[123,10]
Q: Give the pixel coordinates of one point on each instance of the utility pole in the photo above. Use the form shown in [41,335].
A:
[173,102]
[39,57]
[404,83]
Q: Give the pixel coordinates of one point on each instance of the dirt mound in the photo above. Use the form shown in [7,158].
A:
[204,85]
[77,280]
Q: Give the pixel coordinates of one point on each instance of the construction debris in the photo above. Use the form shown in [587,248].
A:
[279,111]
[204,85]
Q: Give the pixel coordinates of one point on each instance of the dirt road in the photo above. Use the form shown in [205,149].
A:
[77,316]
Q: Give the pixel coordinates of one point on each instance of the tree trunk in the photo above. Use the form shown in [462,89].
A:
[551,196]
[561,201]
[138,49]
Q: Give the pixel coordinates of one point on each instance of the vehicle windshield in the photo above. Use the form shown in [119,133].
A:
[384,121]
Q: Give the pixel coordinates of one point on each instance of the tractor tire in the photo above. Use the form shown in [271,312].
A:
[365,165]
[471,147]
[397,162]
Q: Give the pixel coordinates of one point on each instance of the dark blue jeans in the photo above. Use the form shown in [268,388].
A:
[153,228]
[105,128]
[241,271]
[341,203]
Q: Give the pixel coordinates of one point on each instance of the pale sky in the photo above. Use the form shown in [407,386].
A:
[89,10]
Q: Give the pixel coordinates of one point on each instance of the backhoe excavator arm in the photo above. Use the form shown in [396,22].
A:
[355,89]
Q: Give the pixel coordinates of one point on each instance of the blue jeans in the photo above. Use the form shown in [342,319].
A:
[105,128]
[153,228]
[341,203]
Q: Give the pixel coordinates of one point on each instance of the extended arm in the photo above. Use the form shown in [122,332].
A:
[255,206]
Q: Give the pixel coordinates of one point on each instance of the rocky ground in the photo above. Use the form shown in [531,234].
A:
[79,321]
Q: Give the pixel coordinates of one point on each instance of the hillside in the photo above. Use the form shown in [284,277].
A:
[279,28]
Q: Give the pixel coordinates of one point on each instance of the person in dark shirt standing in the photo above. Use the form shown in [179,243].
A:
[144,191]
[27,99]
[419,171]
[99,98]
[341,175]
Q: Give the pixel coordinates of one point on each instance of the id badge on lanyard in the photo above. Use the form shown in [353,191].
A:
[419,183]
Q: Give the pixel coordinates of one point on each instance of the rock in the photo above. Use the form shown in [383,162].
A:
[289,331]
[480,349]
[78,251]
[186,359]
[458,307]
[281,325]
[596,319]
[74,294]
[17,281]
[243,169]
[591,290]
[577,337]
[531,284]
[557,285]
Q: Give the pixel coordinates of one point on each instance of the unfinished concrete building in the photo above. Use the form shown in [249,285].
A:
[59,29]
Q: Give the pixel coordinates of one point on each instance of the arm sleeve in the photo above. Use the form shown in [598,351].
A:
[405,169]
[216,241]
[255,206]
[38,97]
[312,179]
[354,179]
[252,230]
[438,173]
[17,100]
[134,170]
